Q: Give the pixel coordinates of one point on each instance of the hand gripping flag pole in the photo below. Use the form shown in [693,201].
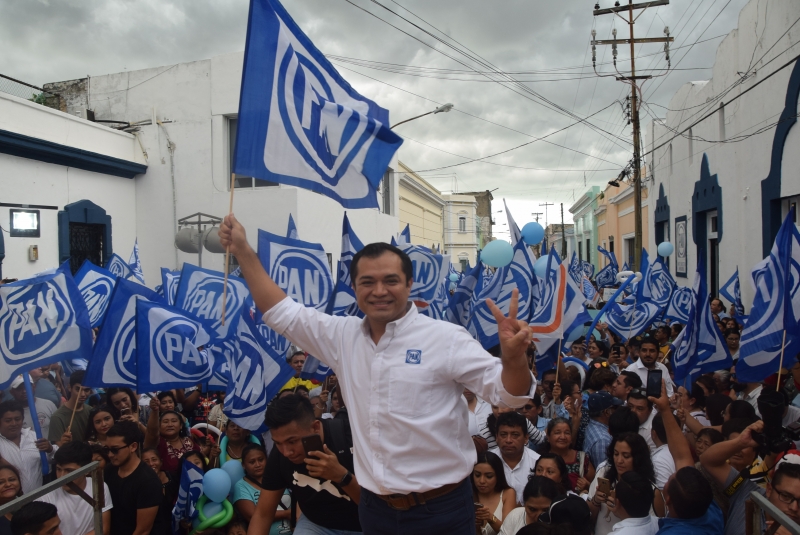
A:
[227,254]
[35,420]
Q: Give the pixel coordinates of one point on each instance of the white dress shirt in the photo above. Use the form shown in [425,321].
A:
[477,419]
[645,431]
[752,398]
[404,394]
[25,458]
[664,465]
[639,369]
[636,526]
[517,477]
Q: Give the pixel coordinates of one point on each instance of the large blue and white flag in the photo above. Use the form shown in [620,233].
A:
[460,304]
[657,283]
[189,491]
[513,228]
[606,277]
[437,309]
[588,269]
[589,291]
[343,301]
[113,361]
[516,275]
[218,356]
[96,285]
[166,345]
[575,269]
[679,304]
[135,263]
[119,267]
[315,370]
[200,294]
[300,122]
[544,246]
[628,321]
[169,284]
[42,320]
[429,271]
[775,310]
[731,291]
[291,230]
[611,257]
[257,375]
[700,347]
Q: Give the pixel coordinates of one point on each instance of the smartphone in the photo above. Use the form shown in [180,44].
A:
[125,411]
[654,383]
[615,348]
[312,443]
[478,505]
[604,485]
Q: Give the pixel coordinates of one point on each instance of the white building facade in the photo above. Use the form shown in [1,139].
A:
[461,229]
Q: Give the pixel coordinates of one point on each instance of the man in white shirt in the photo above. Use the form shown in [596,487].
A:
[518,460]
[648,360]
[77,516]
[44,408]
[479,410]
[634,497]
[19,447]
[663,462]
[643,409]
[402,375]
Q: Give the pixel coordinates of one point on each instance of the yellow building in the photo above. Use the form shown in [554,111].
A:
[615,222]
[421,207]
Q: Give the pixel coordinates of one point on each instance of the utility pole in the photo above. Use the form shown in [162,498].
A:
[563,235]
[545,211]
[536,215]
[632,79]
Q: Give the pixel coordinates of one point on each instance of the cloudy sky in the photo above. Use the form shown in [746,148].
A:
[515,71]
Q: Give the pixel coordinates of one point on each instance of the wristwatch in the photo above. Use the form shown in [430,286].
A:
[348,477]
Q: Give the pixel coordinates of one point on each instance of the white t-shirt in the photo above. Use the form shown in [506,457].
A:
[44,410]
[664,465]
[77,516]
[791,416]
[514,522]
[517,477]
[636,526]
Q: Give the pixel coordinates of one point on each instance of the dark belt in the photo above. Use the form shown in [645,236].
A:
[404,502]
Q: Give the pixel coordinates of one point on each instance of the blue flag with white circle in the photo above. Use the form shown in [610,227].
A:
[428,269]
[343,301]
[42,320]
[96,286]
[679,304]
[119,267]
[169,284]
[300,122]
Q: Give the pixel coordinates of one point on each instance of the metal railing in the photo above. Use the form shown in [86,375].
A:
[757,504]
[96,500]
[21,89]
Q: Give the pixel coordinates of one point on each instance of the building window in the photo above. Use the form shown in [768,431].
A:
[385,193]
[611,244]
[629,246]
[241,181]
[462,224]
[580,251]
[588,250]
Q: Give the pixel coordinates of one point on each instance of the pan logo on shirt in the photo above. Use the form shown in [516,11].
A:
[302,480]
[413,356]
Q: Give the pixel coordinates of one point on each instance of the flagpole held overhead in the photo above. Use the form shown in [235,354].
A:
[780,364]
[227,254]
[35,420]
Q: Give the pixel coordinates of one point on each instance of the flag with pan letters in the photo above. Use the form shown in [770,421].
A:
[96,286]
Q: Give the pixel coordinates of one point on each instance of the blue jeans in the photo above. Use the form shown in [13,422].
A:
[451,514]
[306,527]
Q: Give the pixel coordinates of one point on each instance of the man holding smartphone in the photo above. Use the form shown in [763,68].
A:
[401,375]
[648,360]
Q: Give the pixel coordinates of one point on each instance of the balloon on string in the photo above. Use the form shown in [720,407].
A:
[665,248]
[212,508]
[497,253]
[453,277]
[216,484]
[234,469]
[532,233]
[540,267]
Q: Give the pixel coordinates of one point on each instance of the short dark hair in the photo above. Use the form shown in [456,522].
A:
[648,339]
[251,446]
[11,406]
[715,407]
[690,493]
[75,451]
[539,486]
[698,394]
[635,494]
[741,409]
[658,427]
[637,394]
[785,469]
[76,378]
[167,394]
[665,330]
[374,250]
[631,379]
[601,377]
[707,382]
[566,483]
[731,331]
[537,400]
[551,371]
[513,419]
[298,352]
[736,425]
[192,453]
[287,409]
[623,420]
[713,435]
[30,518]
[129,432]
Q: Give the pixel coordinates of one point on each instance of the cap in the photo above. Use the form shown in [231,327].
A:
[601,401]
[17,382]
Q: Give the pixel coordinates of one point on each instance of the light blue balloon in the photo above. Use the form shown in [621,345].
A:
[452,286]
[453,277]
[665,248]
[497,253]
[540,267]
[216,484]
[234,469]
[532,233]
[211,509]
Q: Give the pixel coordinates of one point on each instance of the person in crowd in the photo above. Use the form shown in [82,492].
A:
[491,490]
[43,388]
[216,417]
[248,489]
[662,335]
[550,401]
[169,488]
[238,439]
[321,482]
[537,496]
[707,384]
[783,491]
[732,338]
[127,408]
[693,403]
[726,460]
[135,489]
[716,404]
[633,344]
[100,420]
[675,330]
[20,448]
[337,404]
[624,420]
[479,411]
[580,469]
[616,358]
[319,406]
[77,516]
[409,458]
[238,526]
[634,498]
[598,350]
[10,490]
[533,412]
[643,408]
[626,453]
[518,460]
[718,308]
[552,466]
[36,518]
[706,438]
[624,383]
[166,432]
[648,360]
[75,405]
[662,459]
[44,407]
[602,379]
[489,430]
[722,378]
[601,406]
[297,360]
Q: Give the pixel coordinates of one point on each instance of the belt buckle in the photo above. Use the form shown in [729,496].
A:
[399,498]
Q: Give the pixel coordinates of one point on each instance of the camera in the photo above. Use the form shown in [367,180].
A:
[775,438]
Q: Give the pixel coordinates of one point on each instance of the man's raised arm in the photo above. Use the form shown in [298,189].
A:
[265,292]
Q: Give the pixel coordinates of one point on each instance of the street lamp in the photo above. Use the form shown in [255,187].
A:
[444,108]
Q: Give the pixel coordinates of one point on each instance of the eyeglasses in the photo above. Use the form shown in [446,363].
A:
[787,498]
[113,450]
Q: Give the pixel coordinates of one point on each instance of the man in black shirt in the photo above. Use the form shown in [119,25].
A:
[135,488]
[321,482]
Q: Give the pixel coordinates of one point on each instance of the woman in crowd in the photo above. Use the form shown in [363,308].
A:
[705,439]
[598,350]
[125,402]
[580,471]
[552,466]
[194,457]
[491,490]
[538,495]
[237,439]
[169,486]
[337,403]
[166,433]
[626,452]
[100,421]
[167,401]
[248,489]
[10,489]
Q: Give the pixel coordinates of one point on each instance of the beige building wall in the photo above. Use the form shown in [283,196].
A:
[421,207]
[616,222]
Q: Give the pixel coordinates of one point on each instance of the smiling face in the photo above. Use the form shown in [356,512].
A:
[381,288]
[11,424]
[151,459]
[560,437]
[10,485]
[484,477]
